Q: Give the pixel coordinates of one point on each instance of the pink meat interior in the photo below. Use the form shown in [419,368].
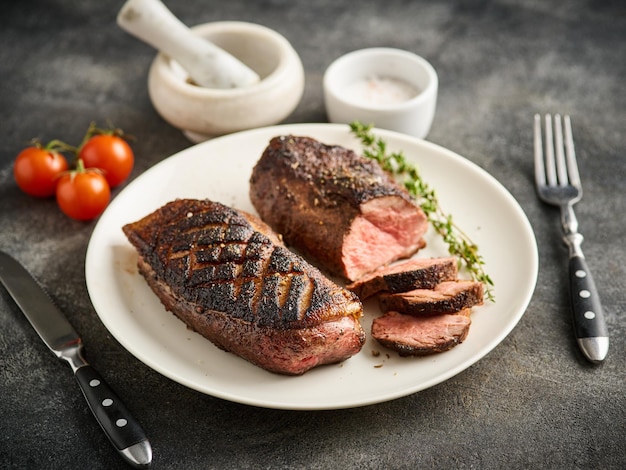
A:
[389,228]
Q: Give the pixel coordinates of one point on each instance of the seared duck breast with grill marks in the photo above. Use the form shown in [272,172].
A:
[335,206]
[228,277]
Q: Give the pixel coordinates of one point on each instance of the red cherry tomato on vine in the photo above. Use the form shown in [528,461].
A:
[111,154]
[83,195]
[37,170]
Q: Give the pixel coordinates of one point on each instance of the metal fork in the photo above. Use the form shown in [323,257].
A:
[558,184]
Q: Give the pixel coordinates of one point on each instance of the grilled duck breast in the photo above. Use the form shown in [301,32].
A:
[228,277]
[337,207]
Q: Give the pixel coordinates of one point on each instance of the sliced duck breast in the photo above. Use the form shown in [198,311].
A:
[416,273]
[446,297]
[419,336]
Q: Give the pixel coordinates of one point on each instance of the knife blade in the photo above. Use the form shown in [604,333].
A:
[124,432]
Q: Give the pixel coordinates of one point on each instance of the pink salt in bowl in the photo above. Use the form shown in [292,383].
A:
[389,88]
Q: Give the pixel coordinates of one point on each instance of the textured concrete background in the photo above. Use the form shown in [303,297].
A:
[533,402]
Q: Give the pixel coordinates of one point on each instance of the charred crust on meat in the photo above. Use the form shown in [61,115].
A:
[446,297]
[337,173]
[215,259]
[418,273]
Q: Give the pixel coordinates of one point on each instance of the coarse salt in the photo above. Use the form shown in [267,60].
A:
[380,91]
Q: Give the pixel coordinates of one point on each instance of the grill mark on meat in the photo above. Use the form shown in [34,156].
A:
[446,297]
[335,206]
[213,268]
[290,352]
[214,272]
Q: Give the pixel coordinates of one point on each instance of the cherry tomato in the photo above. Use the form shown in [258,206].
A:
[83,194]
[111,154]
[37,170]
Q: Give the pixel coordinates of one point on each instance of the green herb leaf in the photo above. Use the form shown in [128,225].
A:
[459,244]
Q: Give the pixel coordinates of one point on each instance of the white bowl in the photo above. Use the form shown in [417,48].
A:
[389,88]
[202,113]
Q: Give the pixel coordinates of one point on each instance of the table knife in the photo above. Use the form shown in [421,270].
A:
[121,428]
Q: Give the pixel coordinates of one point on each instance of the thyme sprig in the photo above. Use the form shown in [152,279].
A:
[459,243]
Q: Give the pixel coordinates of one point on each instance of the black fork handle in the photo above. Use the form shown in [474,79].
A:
[589,322]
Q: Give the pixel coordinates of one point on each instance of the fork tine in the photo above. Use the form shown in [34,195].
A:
[572,165]
[550,165]
[540,172]
[561,167]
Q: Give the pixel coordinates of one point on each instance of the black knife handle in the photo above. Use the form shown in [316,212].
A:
[586,307]
[114,418]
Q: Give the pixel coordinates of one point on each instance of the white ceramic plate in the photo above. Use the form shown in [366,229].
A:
[219,169]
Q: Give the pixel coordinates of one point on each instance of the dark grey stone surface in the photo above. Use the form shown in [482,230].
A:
[533,402]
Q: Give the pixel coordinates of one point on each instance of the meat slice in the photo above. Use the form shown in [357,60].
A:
[420,336]
[228,277]
[417,273]
[337,207]
[448,296]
